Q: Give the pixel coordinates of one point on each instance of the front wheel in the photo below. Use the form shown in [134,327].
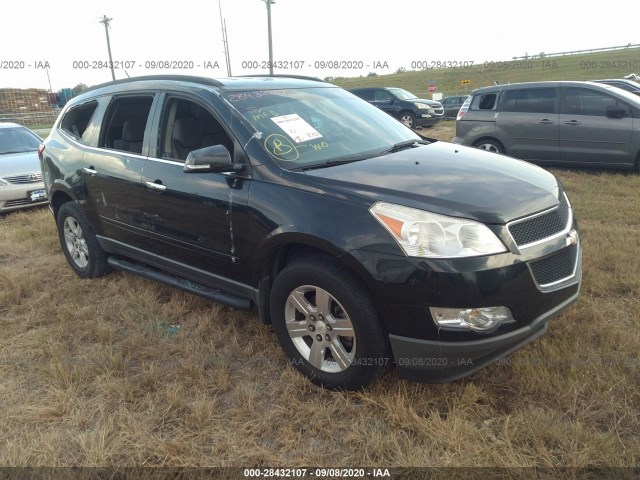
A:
[408,119]
[327,325]
[79,244]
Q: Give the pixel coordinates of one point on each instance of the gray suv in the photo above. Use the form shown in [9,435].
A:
[565,123]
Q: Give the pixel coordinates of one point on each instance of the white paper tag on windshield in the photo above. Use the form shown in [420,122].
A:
[297,128]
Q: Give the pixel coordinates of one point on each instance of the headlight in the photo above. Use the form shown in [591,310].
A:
[2,183]
[430,235]
[423,106]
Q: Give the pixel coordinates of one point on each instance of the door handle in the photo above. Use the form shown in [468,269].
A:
[572,123]
[158,187]
[546,121]
[90,171]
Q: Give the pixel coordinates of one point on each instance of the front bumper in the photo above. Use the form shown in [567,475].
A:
[405,287]
[428,122]
[15,197]
[439,362]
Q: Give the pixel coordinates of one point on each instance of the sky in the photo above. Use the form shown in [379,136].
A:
[317,38]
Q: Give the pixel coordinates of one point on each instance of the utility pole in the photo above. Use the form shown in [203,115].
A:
[106,21]
[269,3]
[49,79]
[225,41]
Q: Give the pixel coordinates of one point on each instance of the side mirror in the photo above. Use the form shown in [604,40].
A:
[616,112]
[211,159]
[389,101]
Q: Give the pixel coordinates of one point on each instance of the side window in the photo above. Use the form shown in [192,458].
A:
[382,96]
[366,95]
[186,126]
[531,100]
[484,102]
[125,122]
[77,119]
[582,101]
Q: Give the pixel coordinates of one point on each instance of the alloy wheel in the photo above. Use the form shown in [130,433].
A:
[320,329]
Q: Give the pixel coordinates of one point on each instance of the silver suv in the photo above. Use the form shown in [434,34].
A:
[564,123]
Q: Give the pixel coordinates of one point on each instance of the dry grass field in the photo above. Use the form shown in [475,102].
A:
[121,371]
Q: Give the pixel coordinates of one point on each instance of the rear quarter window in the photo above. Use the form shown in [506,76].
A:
[485,101]
[77,119]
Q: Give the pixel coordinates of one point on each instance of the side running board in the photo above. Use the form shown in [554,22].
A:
[181,283]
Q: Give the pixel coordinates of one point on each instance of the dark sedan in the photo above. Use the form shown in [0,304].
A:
[452,105]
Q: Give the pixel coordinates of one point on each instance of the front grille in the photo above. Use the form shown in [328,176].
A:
[556,267]
[26,178]
[541,226]
[16,203]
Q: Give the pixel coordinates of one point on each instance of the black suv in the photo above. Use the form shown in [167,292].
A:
[361,242]
[405,106]
[628,85]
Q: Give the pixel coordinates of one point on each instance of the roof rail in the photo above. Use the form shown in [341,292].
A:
[183,78]
[279,75]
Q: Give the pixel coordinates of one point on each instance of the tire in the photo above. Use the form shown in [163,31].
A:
[408,119]
[79,244]
[489,145]
[308,329]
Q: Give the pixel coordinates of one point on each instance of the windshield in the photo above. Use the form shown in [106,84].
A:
[308,127]
[18,140]
[401,93]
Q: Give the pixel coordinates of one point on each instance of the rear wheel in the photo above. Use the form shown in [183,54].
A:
[490,145]
[327,325]
[79,244]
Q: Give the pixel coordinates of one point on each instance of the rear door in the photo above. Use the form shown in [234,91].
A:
[587,135]
[112,170]
[528,123]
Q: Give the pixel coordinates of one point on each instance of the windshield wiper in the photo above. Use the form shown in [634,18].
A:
[406,144]
[332,163]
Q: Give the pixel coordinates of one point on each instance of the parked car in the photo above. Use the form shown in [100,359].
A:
[405,106]
[563,123]
[361,242]
[628,85]
[452,105]
[21,183]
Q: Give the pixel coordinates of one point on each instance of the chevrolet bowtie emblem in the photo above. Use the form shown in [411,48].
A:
[572,238]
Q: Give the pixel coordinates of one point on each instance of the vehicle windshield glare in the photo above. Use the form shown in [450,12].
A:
[401,93]
[309,127]
[17,140]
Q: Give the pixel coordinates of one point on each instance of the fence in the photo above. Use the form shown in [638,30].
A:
[576,52]
[31,106]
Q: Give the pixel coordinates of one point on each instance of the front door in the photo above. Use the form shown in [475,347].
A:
[189,217]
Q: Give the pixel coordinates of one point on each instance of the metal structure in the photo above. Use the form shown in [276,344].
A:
[105,21]
[268,3]
[225,40]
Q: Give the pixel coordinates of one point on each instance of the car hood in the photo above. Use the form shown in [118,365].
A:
[433,103]
[448,179]
[19,163]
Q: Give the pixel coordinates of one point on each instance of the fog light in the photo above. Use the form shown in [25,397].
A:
[477,319]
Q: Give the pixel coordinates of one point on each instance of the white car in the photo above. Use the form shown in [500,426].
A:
[21,183]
